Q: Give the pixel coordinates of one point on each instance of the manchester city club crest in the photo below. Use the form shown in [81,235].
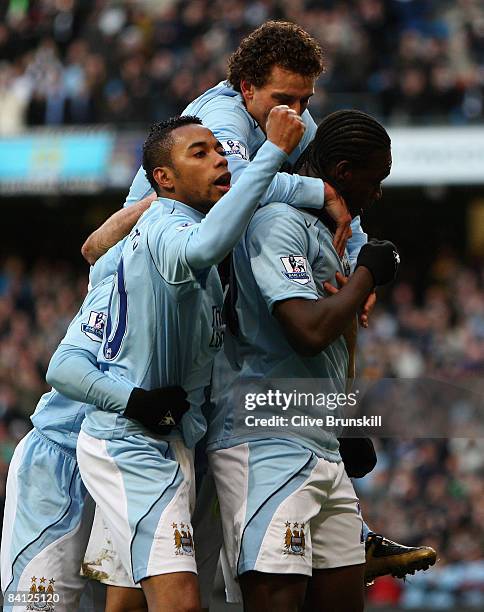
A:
[95,326]
[42,595]
[183,539]
[296,269]
[294,539]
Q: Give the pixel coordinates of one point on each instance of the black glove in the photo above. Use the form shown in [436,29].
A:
[159,410]
[358,455]
[381,258]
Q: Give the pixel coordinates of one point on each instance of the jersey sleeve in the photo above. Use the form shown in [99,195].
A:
[357,240]
[73,369]
[87,327]
[278,247]
[167,242]
[207,243]
[106,265]
[140,188]
[232,126]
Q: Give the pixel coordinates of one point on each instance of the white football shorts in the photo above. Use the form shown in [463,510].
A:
[144,489]
[46,527]
[285,510]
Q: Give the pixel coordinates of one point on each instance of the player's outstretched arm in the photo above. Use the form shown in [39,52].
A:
[114,229]
[310,326]
[74,372]
[224,225]
[296,190]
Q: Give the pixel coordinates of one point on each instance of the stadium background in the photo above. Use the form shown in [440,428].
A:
[79,84]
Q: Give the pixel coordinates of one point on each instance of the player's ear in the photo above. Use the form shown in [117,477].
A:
[247,90]
[163,175]
[343,171]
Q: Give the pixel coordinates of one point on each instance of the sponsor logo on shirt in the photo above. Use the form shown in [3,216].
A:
[296,269]
[234,148]
[95,326]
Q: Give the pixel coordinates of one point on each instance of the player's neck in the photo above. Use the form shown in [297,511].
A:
[201,207]
[306,169]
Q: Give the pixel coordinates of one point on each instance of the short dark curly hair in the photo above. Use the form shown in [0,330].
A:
[274,43]
[157,146]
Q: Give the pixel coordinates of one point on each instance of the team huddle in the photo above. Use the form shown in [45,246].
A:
[219,269]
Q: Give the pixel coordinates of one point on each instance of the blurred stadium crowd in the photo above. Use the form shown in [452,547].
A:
[405,61]
[423,491]
[68,62]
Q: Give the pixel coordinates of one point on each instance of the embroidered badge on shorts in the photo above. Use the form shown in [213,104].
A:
[183,539]
[295,540]
[42,597]
[296,269]
[95,326]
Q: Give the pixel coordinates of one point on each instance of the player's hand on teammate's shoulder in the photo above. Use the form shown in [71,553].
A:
[284,128]
[335,206]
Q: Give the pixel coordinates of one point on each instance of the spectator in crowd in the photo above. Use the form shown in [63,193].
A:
[406,61]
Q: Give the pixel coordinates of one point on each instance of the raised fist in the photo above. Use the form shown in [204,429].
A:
[284,128]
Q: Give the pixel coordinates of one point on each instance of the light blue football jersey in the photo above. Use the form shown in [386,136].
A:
[285,253]
[222,110]
[165,324]
[56,416]
[106,265]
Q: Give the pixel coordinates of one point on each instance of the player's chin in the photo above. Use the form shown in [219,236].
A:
[216,193]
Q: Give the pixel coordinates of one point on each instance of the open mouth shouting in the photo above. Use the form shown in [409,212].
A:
[223,182]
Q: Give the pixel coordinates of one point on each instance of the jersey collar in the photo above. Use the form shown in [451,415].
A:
[171,206]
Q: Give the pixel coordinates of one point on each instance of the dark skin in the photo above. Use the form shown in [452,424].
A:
[311,325]
[338,589]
